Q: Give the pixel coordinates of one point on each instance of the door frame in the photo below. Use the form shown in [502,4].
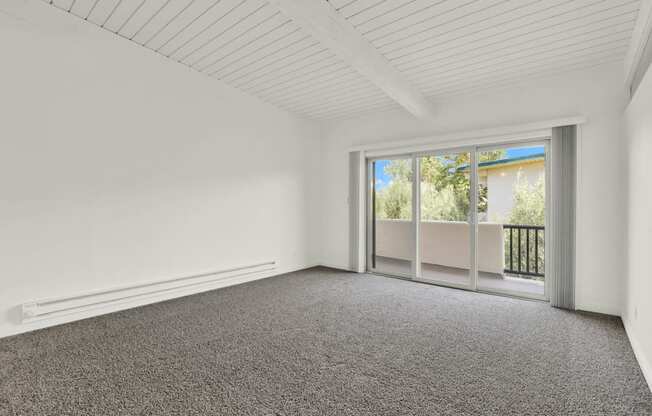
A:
[473,150]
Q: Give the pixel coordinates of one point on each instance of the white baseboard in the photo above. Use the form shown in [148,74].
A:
[643,361]
[51,312]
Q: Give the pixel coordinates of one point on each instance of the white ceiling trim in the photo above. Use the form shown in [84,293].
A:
[516,132]
[325,24]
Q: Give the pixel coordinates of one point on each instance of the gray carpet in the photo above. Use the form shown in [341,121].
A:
[323,342]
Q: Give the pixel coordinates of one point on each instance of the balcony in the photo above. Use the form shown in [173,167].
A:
[510,257]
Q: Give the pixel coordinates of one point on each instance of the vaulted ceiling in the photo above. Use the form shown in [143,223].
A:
[326,60]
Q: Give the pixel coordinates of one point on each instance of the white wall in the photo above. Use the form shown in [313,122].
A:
[596,93]
[637,314]
[443,243]
[119,166]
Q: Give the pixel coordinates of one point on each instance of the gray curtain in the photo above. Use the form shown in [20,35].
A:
[354,207]
[562,234]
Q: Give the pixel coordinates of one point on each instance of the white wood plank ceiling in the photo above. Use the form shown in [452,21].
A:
[435,47]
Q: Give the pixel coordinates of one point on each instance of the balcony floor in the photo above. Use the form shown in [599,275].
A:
[486,281]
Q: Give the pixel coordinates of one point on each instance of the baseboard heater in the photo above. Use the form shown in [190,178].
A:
[154,290]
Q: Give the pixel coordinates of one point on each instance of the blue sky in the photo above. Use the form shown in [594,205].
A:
[382,179]
[524,151]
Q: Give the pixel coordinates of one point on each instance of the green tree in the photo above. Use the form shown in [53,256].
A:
[399,170]
[529,202]
[445,188]
[528,209]
[395,201]
[440,204]
[449,174]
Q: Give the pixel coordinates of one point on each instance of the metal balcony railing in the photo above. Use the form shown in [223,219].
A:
[524,249]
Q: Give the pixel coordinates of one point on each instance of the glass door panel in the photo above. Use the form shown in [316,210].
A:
[511,220]
[445,233]
[392,240]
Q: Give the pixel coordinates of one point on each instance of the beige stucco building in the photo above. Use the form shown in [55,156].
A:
[500,178]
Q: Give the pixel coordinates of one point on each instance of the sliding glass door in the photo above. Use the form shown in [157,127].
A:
[512,219]
[473,218]
[445,228]
[391,225]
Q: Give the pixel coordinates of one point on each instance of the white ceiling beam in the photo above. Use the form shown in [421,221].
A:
[640,36]
[333,31]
